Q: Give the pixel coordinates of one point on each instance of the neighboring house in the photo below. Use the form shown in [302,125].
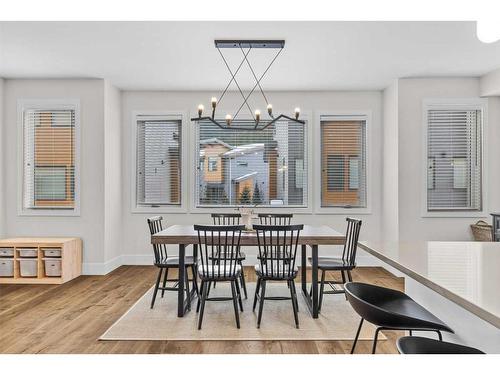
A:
[225,172]
[211,171]
[246,167]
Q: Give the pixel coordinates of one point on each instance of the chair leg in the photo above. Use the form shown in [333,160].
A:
[440,336]
[209,286]
[243,283]
[235,302]
[349,276]
[321,290]
[343,282]
[188,291]
[237,286]
[257,287]
[158,279]
[195,280]
[292,284]
[204,293]
[199,297]
[261,305]
[374,347]
[357,336]
[164,282]
[294,304]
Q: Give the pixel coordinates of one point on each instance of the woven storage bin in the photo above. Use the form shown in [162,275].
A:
[482,231]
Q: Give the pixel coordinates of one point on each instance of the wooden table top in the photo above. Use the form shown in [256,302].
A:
[310,235]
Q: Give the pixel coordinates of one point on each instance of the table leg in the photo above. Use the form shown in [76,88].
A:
[181,277]
[314,272]
[303,269]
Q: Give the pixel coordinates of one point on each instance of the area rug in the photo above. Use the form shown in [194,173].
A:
[337,320]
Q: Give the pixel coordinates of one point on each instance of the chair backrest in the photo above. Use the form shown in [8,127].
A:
[275,219]
[219,249]
[278,249]
[226,219]
[351,241]
[155,226]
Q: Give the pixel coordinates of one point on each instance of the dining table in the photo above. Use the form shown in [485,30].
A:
[310,237]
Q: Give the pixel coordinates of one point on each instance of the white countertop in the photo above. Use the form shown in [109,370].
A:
[467,273]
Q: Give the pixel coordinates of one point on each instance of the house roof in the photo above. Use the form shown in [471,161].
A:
[244,177]
[243,150]
[211,141]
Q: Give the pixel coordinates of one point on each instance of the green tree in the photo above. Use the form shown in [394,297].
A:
[245,196]
[256,198]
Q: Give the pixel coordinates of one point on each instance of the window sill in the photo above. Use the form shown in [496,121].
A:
[454,214]
[343,211]
[55,212]
[159,209]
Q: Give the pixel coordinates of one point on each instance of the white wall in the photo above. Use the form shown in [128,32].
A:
[90,224]
[489,84]
[113,207]
[136,246]
[2,147]
[411,93]
[390,180]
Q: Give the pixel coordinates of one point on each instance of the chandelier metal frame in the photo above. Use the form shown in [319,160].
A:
[246,46]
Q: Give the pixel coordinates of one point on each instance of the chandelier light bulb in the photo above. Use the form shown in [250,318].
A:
[297,113]
[214,102]
[228,119]
[201,107]
[257,115]
[270,109]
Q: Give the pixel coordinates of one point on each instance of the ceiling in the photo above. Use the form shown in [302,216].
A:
[182,56]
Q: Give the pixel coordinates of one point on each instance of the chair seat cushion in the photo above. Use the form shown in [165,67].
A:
[174,261]
[332,263]
[275,272]
[217,271]
[241,257]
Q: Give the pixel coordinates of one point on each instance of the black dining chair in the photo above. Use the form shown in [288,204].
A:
[232,219]
[275,219]
[277,253]
[165,263]
[424,345]
[344,264]
[390,309]
[219,248]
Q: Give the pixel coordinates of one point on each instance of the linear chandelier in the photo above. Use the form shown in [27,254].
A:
[246,46]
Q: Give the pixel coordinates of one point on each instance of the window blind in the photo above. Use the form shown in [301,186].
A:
[158,161]
[251,167]
[49,159]
[454,159]
[343,162]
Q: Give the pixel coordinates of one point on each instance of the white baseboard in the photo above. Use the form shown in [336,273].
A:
[102,268]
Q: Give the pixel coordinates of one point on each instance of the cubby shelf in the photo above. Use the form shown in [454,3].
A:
[70,256]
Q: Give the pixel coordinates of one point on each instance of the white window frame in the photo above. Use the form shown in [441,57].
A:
[47,104]
[455,103]
[185,136]
[308,207]
[347,115]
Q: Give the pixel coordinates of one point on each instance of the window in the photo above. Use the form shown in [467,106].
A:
[158,161]
[49,158]
[343,161]
[253,167]
[454,149]
[212,164]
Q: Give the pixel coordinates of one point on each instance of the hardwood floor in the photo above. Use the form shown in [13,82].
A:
[69,318]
